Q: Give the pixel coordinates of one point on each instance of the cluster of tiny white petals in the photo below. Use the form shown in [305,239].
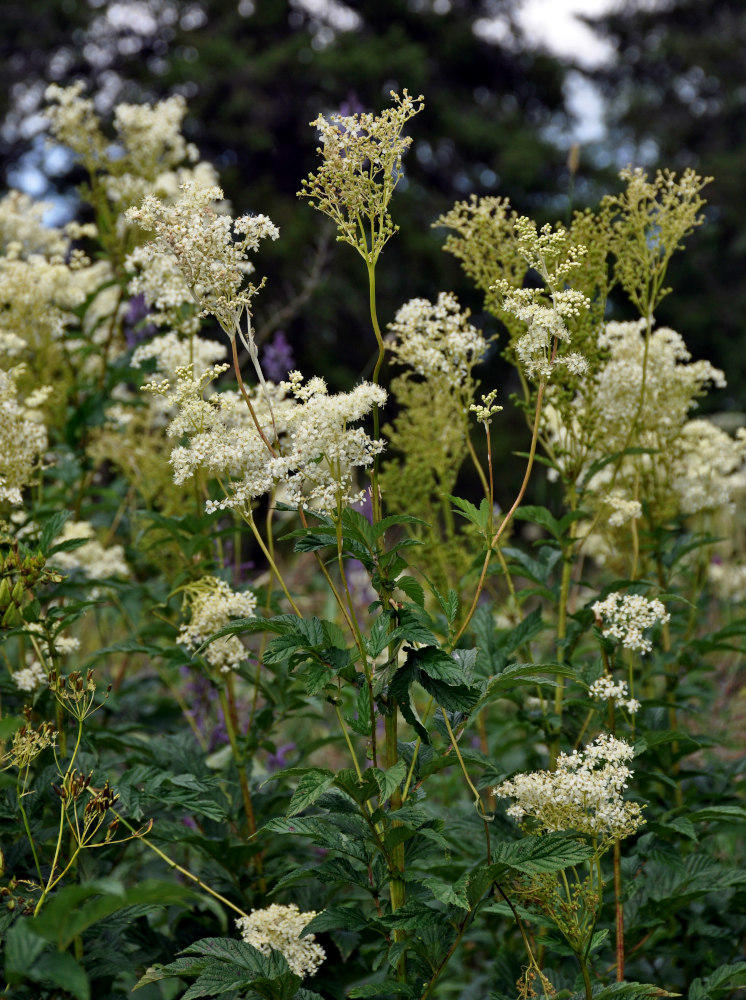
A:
[728,580]
[31,677]
[23,437]
[437,339]
[623,509]
[170,351]
[625,618]
[213,604]
[73,120]
[22,228]
[683,466]
[606,688]
[545,311]
[318,451]
[94,560]
[159,278]
[279,928]
[210,248]
[59,645]
[583,794]
[672,381]
[151,134]
[708,467]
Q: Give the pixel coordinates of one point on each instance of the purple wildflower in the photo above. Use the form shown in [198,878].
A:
[135,330]
[278,759]
[277,358]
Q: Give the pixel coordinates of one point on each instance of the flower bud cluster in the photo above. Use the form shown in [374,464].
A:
[27,743]
[361,166]
[279,928]
[625,618]
[584,793]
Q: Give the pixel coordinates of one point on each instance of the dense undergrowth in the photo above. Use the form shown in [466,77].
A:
[267,675]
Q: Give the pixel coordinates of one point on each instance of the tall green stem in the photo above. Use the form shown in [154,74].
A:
[561,639]
[375,498]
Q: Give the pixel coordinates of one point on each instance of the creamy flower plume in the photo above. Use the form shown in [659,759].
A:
[279,928]
[360,168]
[545,311]
[212,604]
[23,437]
[94,560]
[210,248]
[318,449]
[437,339]
[584,793]
[625,618]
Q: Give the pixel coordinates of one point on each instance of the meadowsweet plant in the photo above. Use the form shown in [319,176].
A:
[284,714]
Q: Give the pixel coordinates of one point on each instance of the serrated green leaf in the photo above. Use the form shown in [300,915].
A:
[22,946]
[337,918]
[52,528]
[412,588]
[719,814]
[541,516]
[450,894]
[61,969]
[311,787]
[537,855]
[722,980]
[436,663]
[480,517]
[389,780]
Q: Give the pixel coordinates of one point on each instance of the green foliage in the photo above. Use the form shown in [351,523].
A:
[472,775]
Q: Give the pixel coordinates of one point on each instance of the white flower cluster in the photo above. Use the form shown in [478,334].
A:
[279,928]
[626,617]
[672,381]
[210,248]
[148,154]
[622,509]
[22,229]
[213,604]
[605,688]
[169,351]
[92,559]
[728,580]
[679,466]
[708,467]
[23,437]
[317,450]
[159,278]
[545,310]
[31,677]
[151,136]
[34,675]
[584,793]
[437,340]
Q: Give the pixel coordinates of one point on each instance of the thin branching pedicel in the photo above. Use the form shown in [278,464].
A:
[361,166]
